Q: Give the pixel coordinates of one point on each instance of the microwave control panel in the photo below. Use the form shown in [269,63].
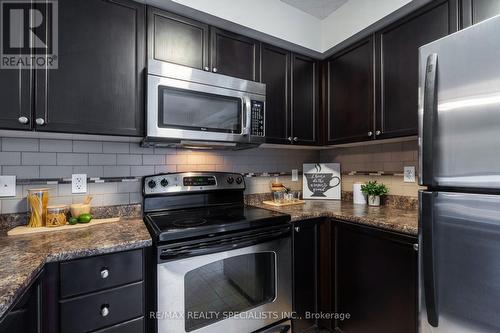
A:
[257,121]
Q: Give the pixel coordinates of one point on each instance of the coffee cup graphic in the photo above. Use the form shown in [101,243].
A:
[318,183]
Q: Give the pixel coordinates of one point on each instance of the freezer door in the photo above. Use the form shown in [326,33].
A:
[459,260]
[459,109]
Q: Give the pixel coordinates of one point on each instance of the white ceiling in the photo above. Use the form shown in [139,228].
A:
[318,8]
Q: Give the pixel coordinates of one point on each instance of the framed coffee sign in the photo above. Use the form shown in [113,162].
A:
[322,181]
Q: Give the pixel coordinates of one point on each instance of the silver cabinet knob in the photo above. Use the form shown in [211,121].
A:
[40,121]
[105,310]
[377,132]
[370,133]
[290,139]
[297,229]
[295,139]
[104,273]
[206,68]
[214,69]
[23,120]
[415,247]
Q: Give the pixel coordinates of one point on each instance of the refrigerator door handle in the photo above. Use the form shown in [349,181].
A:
[429,115]
[427,248]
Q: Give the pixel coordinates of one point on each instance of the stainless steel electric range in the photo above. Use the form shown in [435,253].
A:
[221,266]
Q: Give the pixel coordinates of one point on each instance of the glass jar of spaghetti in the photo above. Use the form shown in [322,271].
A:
[37,206]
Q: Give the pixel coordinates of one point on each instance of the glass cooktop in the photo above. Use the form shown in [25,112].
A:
[195,222]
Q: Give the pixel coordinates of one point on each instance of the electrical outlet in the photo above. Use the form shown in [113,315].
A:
[79,183]
[409,174]
[295,175]
[7,186]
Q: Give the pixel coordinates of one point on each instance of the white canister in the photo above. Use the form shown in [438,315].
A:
[358,196]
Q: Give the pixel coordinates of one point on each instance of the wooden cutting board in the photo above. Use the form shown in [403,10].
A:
[275,204]
[24,230]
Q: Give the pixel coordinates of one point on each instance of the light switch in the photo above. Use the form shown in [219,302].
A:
[409,174]
[7,186]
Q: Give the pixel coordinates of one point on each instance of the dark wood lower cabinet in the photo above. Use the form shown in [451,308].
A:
[311,272]
[365,275]
[376,280]
[111,301]
[26,313]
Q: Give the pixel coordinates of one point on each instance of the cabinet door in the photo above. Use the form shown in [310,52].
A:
[16,96]
[397,68]
[350,94]
[98,88]
[234,55]
[376,280]
[275,73]
[25,315]
[475,11]
[305,278]
[177,39]
[305,99]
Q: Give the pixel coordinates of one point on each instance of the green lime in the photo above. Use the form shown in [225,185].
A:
[84,218]
[73,220]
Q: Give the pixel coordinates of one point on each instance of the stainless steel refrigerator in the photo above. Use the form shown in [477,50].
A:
[459,142]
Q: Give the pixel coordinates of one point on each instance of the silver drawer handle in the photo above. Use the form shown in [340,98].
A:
[415,247]
[295,139]
[370,133]
[40,121]
[105,310]
[214,69]
[377,132]
[23,120]
[206,68]
[104,274]
[297,229]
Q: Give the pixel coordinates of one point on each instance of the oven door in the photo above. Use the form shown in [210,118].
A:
[185,110]
[235,291]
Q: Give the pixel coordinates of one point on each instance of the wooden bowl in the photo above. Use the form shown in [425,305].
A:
[79,209]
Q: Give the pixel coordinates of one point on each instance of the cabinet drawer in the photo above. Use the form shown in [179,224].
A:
[102,309]
[132,326]
[97,273]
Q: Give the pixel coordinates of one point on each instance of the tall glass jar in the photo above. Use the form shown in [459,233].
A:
[38,200]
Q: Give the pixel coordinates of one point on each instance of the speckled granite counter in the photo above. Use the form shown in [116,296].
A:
[394,219]
[22,257]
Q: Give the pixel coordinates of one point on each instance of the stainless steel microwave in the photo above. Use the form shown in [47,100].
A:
[194,108]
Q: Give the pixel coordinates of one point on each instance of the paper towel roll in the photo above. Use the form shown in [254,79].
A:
[358,196]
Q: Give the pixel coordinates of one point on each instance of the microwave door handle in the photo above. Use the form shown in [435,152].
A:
[247,116]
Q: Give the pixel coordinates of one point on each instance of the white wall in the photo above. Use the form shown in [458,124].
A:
[280,20]
[354,16]
[272,17]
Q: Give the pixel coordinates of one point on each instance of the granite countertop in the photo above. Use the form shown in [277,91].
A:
[393,219]
[23,257]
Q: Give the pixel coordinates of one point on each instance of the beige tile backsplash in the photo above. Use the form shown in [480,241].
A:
[388,157]
[48,158]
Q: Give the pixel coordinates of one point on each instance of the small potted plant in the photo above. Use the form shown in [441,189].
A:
[373,191]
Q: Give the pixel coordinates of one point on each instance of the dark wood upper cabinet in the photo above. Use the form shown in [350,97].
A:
[376,280]
[475,11]
[350,90]
[98,88]
[305,99]
[177,39]
[16,96]
[397,66]
[275,73]
[234,55]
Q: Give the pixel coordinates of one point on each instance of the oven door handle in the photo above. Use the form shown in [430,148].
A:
[222,246]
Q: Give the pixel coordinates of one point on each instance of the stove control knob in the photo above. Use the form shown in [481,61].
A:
[230,180]
[152,184]
[239,180]
[164,182]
